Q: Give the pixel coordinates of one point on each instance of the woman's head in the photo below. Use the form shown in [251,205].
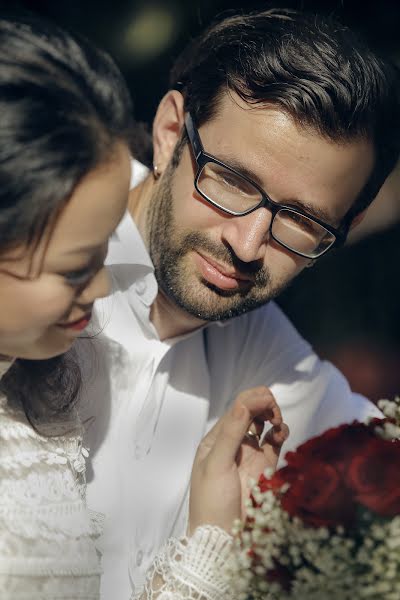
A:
[65,118]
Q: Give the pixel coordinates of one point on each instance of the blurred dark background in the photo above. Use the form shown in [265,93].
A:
[347,306]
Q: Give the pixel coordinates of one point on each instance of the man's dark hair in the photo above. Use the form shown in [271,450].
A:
[312,67]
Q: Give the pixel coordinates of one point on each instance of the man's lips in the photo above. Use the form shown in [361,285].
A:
[77,325]
[218,275]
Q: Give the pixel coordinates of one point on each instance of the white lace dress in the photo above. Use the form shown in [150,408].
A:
[48,535]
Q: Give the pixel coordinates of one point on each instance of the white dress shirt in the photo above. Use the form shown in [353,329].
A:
[147,403]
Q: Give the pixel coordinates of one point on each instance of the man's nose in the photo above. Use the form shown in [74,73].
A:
[248,235]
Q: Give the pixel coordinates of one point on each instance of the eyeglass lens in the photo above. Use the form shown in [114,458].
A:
[231,192]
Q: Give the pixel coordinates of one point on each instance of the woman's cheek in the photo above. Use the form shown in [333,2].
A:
[34,304]
[54,302]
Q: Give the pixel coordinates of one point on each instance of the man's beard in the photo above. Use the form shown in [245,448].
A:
[169,248]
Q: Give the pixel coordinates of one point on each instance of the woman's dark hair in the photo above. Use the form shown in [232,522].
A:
[312,67]
[63,106]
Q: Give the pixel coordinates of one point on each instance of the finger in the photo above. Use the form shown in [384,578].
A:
[256,429]
[254,403]
[274,439]
[257,399]
[222,455]
[271,413]
[262,407]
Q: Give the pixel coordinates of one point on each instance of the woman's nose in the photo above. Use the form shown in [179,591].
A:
[98,287]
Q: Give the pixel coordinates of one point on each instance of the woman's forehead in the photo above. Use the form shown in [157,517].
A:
[95,208]
[86,222]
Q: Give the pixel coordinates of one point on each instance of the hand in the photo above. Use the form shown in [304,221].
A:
[226,459]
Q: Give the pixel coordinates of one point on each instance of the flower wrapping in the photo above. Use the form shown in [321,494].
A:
[326,526]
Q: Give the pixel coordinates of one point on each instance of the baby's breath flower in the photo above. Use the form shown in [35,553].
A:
[390,430]
[320,563]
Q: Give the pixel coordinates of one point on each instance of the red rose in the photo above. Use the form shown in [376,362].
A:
[329,475]
[335,446]
[318,496]
[274,483]
[373,475]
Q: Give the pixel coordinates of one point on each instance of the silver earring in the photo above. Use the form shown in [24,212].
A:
[156,172]
[310,264]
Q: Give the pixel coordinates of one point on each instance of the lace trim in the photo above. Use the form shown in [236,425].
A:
[27,459]
[46,567]
[191,568]
[59,587]
[51,523]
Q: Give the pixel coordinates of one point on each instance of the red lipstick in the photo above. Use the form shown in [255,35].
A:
[77,325]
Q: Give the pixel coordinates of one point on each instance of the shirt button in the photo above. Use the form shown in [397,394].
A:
[139,558]
[140,287]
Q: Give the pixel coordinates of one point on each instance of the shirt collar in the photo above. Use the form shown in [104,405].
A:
[126,245]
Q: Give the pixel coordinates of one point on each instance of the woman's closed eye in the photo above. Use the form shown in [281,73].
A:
[79,277]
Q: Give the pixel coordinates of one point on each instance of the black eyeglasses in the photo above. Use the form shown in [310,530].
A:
[235,194]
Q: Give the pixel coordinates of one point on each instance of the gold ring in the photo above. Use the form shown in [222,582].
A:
[251,435]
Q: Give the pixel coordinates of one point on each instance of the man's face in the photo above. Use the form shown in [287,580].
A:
[217,266]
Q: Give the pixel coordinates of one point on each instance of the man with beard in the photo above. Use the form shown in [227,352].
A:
[276,135]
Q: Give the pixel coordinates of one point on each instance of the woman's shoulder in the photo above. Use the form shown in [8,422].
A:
[23,445]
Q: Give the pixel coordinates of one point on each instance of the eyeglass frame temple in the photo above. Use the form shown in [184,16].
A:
[194,138]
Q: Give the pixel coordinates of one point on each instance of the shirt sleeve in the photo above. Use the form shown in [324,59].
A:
[191,568]
[263,348]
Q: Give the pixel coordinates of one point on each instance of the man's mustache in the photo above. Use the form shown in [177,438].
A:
[255,270]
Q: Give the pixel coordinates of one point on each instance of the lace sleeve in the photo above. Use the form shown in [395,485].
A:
[47,548]
[191,568]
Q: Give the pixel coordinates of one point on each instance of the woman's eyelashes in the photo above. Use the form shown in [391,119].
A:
[79,277]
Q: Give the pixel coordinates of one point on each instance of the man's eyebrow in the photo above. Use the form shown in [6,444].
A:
[313,211]
[242,169]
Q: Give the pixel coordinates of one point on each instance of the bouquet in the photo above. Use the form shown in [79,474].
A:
[327,525]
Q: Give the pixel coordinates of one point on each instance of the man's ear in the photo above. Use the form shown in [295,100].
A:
[358,218]
[167,127]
